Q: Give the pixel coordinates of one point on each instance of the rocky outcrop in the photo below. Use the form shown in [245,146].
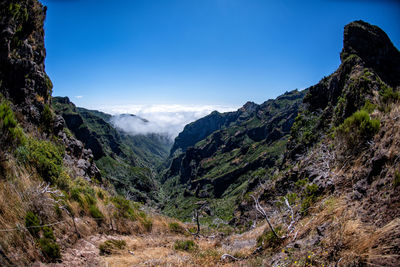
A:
[24,82]
[375,49]
[370,63]
[23,79]
[77,157]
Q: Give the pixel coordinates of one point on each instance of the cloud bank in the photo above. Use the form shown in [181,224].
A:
[166,120]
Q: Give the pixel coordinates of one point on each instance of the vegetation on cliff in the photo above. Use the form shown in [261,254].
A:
[320,166]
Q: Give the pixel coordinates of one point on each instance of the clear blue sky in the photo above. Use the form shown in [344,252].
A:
[217,52]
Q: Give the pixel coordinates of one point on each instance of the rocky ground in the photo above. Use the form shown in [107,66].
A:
[158,250]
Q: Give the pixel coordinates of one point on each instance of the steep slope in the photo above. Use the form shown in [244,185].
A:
[223,165]
[51,191]
[127,161]
[335,197]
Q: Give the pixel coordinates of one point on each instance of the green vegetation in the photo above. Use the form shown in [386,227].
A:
[304,130]
[268,240]
[18,12]
[50,249]
[128,162]
[49,84]
[47,118]
[111,245]
[45,156]
[96,213]
[176,228]
[185,245]
[309,196]
[357,129]
[11,135]
[124,208]
[32,223]
[387,97]
[47,242]
[81,192]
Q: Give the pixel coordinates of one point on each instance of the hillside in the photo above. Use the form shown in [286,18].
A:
[328,184]
[52,194]
[335,197]
[310,178]
[237,147]
[129,162]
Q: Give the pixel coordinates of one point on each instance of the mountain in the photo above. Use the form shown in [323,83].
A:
[129,162]
[52,195]
[310,178]
[336,191]
[321,165]
[222,155]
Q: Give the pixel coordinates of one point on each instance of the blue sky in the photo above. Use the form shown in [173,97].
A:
[198,52]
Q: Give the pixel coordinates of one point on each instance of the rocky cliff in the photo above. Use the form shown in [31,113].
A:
[335,194]
[51,192]
[24,82]
[22,53]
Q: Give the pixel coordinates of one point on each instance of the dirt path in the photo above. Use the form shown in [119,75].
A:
[157,249]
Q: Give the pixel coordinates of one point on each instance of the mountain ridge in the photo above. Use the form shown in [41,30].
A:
[309,178]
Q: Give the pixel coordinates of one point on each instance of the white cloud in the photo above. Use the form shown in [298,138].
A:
[162,119]
[78,96]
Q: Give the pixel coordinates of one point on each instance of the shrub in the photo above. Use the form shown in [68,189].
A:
[82,192]
[101,194]
[47,118]
[11,135]
[48,233]
[124,208]
[357,129]
[309,196]
[50,249]
[63,181]
[96,213]
[32,223]
[148,224]
[75,194]
[46,157]
[49,84]
[176,228]
[303,130]
[268,240]
[186,245]
[111,245]
[388,95]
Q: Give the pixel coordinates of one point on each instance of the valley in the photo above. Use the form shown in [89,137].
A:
[310,178]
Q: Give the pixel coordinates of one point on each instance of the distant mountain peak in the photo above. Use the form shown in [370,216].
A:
[249,107]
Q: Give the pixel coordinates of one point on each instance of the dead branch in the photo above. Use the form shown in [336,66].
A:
[226,256]
[200,205]
[196,216]
[264,214]
[293,220]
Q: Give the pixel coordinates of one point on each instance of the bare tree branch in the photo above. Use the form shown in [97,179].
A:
[226,256]
[264,214]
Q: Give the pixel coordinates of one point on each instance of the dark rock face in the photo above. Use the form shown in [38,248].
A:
[369,61]
[374,47]
[364,46]
[23,79]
